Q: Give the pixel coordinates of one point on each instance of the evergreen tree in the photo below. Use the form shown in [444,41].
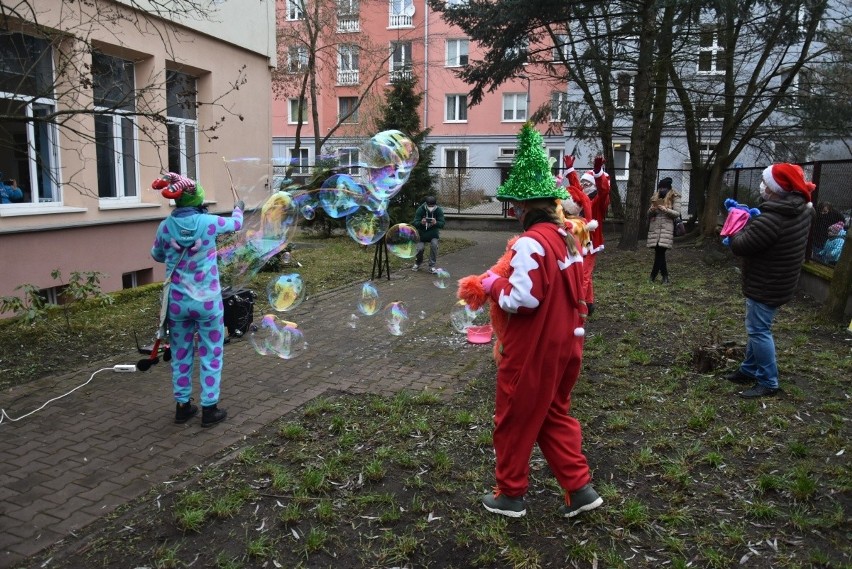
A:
[400,112]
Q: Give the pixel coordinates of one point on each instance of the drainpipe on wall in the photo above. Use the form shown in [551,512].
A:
[426,64]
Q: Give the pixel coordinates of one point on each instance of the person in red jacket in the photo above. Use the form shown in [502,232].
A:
[595,184]
[542,345]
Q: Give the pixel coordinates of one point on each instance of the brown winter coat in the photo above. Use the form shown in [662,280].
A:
[661,220]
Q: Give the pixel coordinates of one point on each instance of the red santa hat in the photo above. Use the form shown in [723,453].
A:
[589,176]
[784,178]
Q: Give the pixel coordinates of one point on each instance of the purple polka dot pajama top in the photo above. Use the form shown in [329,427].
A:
[186,243]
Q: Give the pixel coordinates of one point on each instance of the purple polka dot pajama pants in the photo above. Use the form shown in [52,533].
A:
[185,321]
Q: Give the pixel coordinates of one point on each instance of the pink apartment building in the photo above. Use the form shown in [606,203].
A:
[373,41]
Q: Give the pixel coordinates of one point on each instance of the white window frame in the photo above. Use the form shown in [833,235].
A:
[516,104]
[556,153]
[706,149]
[347,159]
[563,47]
[297,58]
[518,50]
[348,63]
[122,172]
[621,148]
[507,152]
[456,169]
[710,113]
[400,67]
[353,118]
[715,50]
[457,52]
[456,105]
[302,165]
[187,143]
[625,80]
[558,106]
[400,13]
[795,96]
[348,16]
[295,10]
[292,102]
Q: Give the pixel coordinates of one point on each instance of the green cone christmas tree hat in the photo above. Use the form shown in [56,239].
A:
[531,177]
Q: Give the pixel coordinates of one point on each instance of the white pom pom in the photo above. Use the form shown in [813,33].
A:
[579,331]
[592,225]
[809,204]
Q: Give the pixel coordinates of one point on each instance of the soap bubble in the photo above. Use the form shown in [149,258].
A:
[389,147]
[396,318]
[250,177]
[340,195]
[285,292]
[367,228]
[463,316]
[401,240]
[441,278]
[369,303]
[277,337]
[353,321]
[308,212]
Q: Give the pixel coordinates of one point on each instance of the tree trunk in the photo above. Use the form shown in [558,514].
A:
[712,201]
[841,284]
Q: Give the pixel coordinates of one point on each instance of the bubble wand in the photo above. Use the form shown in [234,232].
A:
[231,179]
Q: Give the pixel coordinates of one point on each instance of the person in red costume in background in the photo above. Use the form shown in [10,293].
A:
[595,184]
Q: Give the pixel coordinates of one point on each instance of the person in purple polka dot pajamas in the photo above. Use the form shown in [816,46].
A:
[186,243]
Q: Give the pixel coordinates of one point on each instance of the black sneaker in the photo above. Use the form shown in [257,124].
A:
[498,503]
[758,390]
[185,411]
[212,415]
[740,378]
[579,501]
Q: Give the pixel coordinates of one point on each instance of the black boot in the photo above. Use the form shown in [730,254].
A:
[212,415]
[590,306]
[666,279]
[185,411]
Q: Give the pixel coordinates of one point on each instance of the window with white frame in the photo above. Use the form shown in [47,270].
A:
[28,147]
[555,157]
[295,9]
[561,49]
[518,51]
[348,64]
[347,109]
[348,158]
[401,13]
[710,112]
[297,110]
[456,108]
[621,159]
[348,16]
[707,150]
[514,107]
[558,106]
[711,52]
[297,58]
[624,91]
[182,123]
[400,60]
[457,52]
[799,89]
[115,130]
[300,160]
[455,161]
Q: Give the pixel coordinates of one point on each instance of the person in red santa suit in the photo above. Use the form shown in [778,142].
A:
[542,345]
[595,184]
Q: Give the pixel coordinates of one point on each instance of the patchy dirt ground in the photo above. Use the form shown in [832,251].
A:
[691,475]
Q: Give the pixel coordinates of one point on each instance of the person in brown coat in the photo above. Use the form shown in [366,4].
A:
[661,219]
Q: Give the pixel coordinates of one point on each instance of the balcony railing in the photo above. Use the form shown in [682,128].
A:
[348,23]
[400,74]
[400,21]
[347,77]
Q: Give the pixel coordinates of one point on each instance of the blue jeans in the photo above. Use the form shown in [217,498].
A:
[760,350]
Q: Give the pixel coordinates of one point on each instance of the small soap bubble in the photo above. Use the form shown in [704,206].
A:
[286,292]
[396,318]
[367,228]
[369,302]
[441,278]
[401,240]
[422,315]
[463,316]
[353,321]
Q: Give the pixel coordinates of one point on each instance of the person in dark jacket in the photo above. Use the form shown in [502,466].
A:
[428,220]
[773,246]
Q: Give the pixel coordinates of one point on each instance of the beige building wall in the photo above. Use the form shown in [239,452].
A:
[81,232]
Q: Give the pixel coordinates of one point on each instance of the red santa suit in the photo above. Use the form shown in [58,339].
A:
[600,205]
[542,355]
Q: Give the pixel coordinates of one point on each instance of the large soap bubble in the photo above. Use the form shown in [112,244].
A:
[340,195]
[285,292]
[462,316]
[250,177]
[389,147]
[401,240]
[366,227]
[277,337]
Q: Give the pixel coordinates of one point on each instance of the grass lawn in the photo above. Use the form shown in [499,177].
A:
[691,475]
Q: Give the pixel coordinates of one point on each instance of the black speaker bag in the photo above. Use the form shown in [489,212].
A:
[239,310]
